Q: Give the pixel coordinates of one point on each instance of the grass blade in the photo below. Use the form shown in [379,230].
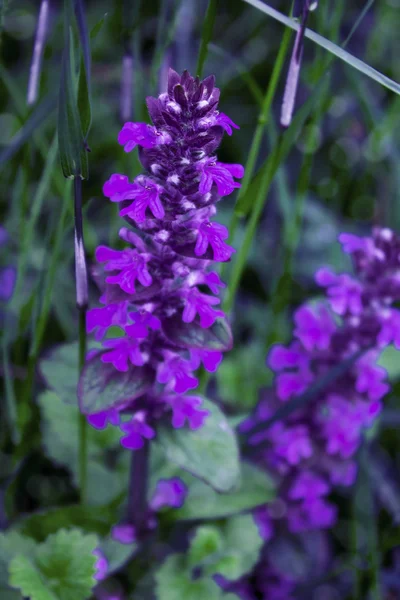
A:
[37,118]
[73,155]
[84,84]
[206,35]
[334,49]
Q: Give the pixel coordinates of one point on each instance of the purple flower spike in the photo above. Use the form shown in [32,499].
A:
[170,240]
[314,447]
[169,492]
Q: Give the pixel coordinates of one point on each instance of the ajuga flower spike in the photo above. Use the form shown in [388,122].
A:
[160,289]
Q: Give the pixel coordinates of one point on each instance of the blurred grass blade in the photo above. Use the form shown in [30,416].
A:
[84,84]
[39,325]
[37,55]
[73,155]
[317,388]
[37,118]
[206,35]
[11,403]
[287,139]
[36,206]
[334,49]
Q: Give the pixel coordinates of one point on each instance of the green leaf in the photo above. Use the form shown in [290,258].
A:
[26,577]
[173,581]
[192,335]
[84,103]
[59,368]
[90,519]
[117,554]
[242,544]
[62,568]
[60,432]
[210,453]
[390,361]
[12,544]
[73,155]
[236,390]
[102,387]
[337,51]
[202,502]
[35,120]
[206,542]
[206,35]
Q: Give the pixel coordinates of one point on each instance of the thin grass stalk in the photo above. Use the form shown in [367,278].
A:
[37,56]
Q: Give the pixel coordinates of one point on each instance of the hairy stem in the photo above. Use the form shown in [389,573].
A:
[137,501]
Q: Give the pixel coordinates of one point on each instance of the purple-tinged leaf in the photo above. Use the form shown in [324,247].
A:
[192,335]
[102,387]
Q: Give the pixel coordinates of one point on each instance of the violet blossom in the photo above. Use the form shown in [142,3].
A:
[160,289]
[313,449]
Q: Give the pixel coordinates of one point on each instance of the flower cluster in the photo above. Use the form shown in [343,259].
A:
[159,290]
[313,448]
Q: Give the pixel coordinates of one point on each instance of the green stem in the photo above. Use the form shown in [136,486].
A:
[263,118]
[241,257]
[83,427]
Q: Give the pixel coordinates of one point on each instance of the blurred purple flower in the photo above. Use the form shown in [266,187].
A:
[169,492]
[313,448]
[101,565]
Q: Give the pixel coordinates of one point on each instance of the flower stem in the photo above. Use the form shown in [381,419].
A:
[137,500]
[83,426]
[81,302]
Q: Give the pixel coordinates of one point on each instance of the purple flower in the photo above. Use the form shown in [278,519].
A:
[212,171]
[123,351]
[8,276]
[213,234]
[136,431]
[146,196]
[102,318]
[176,373]
[169,492]
[101,565]
[124,533]
[118,188]
[185,408]
[141,134]
[101,419]
[210,360]
[152,287]
[198,303]
[131,265]
[314,328]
